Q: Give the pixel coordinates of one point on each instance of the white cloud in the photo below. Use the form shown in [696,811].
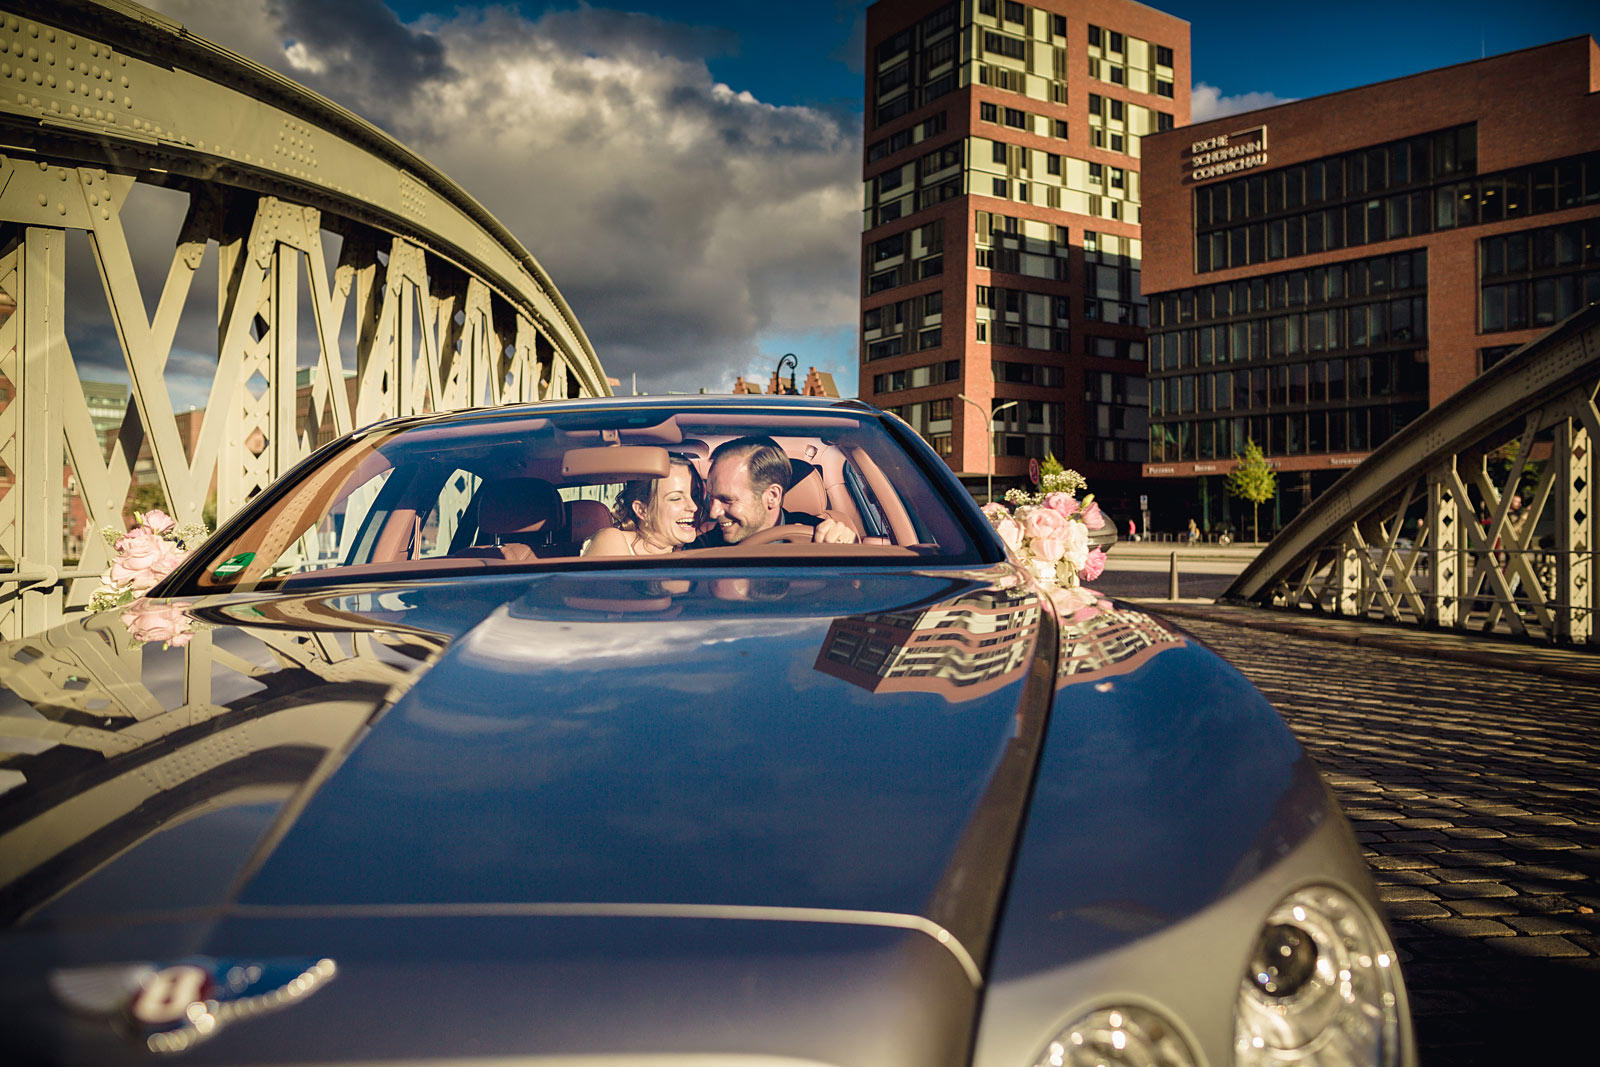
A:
[1207,102]
[683,219]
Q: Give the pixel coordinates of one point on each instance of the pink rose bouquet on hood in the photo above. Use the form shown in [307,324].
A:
[1049,530]
[142,556]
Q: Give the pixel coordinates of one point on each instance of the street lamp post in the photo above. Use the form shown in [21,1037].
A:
[989,489]
[793,364]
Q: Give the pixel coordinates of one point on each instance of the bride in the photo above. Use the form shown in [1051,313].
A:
[653,516]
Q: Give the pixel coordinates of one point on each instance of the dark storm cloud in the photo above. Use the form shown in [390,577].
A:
[358,52]
[684,220]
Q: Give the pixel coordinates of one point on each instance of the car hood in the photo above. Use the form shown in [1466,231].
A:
[762,779]
[836,744]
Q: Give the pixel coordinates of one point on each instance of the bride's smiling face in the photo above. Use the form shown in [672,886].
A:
[669,518]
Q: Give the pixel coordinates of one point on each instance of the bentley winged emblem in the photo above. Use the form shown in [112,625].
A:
[173,1006]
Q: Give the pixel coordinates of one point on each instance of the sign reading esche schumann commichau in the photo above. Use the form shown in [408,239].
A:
[1227,153]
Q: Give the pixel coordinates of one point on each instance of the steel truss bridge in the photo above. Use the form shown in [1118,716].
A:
[1426,530]
[437,304]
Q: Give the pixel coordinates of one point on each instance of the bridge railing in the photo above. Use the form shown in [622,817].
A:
[1480,515]
[441,306]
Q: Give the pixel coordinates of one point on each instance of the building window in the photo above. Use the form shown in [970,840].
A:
[1015,12]
[988,112]
[1058,25]
[1052,163]
[1163,56]
[1000,187]
[1163,88]
[1094,37]
[1399,189]
[1016,119]
[1001,44]
[1097,173]
[1537,277]
[1059,128]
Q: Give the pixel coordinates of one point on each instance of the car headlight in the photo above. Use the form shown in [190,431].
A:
[1322,987]
[1118,1037]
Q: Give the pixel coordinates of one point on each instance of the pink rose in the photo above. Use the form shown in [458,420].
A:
[149,621]
[1048,548]
[143,559]
[158,521]
[1089,611]
[1065,503]
[1010,532]
[1044,523]
[995,512]
[1092,517]
[1079,604]
[1094,565]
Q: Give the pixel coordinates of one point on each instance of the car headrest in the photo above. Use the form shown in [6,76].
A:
[806,494]
[518,506]
[586,518]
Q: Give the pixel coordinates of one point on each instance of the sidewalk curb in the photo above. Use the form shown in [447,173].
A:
[1513,658]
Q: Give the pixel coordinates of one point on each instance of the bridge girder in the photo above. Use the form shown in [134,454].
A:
[1425,530]
[449,309]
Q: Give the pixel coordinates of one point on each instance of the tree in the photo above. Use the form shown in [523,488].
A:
[146,498]
[1253,479]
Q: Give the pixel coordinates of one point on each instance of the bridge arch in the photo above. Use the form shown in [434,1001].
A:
[1427,529]
[449,309]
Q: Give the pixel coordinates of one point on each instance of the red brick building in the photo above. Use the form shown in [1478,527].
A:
[1001,229]
[1322,272]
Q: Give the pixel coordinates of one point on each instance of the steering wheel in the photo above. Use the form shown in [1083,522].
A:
[788,533]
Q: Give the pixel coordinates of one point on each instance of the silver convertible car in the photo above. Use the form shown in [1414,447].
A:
[390,771]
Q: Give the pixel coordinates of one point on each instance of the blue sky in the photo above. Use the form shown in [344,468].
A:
[689,171]
[810,53]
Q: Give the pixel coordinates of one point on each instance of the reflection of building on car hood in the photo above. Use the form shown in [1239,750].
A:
[960,648]
[979,641]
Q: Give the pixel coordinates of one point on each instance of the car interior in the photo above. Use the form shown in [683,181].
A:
[529,490]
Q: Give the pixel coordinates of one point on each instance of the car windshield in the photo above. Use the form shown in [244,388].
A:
[529,488]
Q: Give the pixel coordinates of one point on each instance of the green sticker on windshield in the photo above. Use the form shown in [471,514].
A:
[233,565]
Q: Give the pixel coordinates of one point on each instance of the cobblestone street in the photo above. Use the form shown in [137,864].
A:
[1475,793]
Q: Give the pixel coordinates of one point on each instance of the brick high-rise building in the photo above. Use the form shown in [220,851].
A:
[1001,243]
[1322,272]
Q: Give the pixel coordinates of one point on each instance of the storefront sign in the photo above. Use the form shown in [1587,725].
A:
[1227,153]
